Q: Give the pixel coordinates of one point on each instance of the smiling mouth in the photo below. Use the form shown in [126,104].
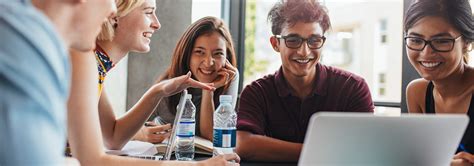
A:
[147,34]
[430,64]
[206,72]
[303,61]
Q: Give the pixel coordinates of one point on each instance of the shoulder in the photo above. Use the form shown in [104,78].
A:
[417,87]
[20,17]
[40,44]
[261,84]
[259,90]
[415,95]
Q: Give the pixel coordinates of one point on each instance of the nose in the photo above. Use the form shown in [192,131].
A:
[209,61]
[428,50]
[155,24]
[304,50]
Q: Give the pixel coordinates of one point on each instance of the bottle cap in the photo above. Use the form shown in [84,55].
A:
[225,98]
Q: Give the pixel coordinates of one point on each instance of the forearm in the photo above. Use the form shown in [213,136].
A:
[261,148]
[128,125]
[207,114]
[84,134]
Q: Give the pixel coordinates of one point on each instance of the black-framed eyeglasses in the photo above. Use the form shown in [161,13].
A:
[440,45]
[295,41]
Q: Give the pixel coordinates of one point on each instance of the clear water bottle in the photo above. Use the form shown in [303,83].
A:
[185,133]
[225,120]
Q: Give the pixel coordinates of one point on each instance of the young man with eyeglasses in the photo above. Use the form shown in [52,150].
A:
[274,111]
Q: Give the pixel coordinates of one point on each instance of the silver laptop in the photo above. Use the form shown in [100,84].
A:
[172,140]
[334,139]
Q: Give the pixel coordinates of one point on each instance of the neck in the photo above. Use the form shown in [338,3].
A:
[445,86]
[301,85]
[59,14]
[112,49]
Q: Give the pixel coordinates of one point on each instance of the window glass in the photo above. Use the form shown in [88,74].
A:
[202,8]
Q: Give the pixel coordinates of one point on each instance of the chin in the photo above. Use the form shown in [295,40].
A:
[142,50]
[204,79]
[431,76]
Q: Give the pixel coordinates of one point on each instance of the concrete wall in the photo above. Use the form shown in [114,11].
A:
[144,69]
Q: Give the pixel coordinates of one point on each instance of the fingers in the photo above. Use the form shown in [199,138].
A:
[230,69]
[156,134]
[150,123]
[183,78]
[228,65]
[465,156]
[178,84]
[159,128]
[222,78]
[232,156]
[457,162]
[157,138]
[196,84]
[231,73]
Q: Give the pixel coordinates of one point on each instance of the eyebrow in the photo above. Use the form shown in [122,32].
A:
[443,34]
[199,47]
[295,34]
[149,7]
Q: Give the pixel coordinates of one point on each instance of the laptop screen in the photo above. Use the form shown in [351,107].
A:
[179,111]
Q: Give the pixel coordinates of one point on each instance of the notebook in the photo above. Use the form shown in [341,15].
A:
[364,139]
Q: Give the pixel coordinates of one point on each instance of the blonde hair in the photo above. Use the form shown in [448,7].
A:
[123,8]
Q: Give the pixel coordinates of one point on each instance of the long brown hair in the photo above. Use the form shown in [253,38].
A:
[180,62]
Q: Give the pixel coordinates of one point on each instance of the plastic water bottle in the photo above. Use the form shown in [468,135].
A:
[225,120]
[185,133]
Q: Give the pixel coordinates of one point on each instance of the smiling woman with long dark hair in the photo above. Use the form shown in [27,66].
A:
[438,37]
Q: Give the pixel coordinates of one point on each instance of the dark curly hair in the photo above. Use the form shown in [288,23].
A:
[293,11]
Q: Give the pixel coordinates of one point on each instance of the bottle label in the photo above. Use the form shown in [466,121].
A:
[186,129]
[224,138]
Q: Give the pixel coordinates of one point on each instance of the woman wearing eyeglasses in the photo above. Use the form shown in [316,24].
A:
[439,36]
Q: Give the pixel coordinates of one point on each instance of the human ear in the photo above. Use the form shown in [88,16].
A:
[275,43]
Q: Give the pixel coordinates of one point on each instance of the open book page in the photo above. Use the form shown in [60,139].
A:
[203,146]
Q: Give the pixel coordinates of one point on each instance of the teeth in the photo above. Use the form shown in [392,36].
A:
[206,72]
[147,34]
[302,60]
[430,64]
